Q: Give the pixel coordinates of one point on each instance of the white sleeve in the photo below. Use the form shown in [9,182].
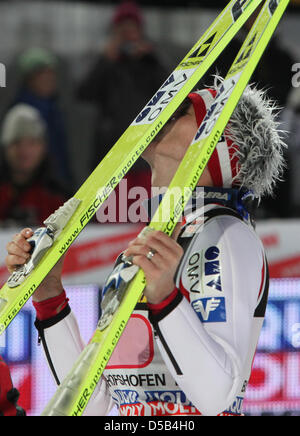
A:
[207,338]
[62,345]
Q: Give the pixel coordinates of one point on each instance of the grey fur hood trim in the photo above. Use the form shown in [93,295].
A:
[260,145]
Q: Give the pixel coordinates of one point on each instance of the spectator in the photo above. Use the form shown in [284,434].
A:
[125,76]
[29,191]
[39,89]
[8,394]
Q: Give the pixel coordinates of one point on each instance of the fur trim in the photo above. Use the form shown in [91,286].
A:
[260,145]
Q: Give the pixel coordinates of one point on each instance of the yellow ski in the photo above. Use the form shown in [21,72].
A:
[74,393]
[122,156]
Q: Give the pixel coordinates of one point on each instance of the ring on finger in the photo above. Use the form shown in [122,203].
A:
[151,254]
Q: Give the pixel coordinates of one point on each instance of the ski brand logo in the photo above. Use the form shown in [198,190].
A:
[202,194]
[245,55]
[163,97]
[202,51]
[273,5]
[196,57]
[247,52]
[238,9]
[210,309]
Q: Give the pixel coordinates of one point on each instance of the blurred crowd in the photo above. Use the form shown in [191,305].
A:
[36,154]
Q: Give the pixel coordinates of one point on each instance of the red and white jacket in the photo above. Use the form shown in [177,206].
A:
[192,354]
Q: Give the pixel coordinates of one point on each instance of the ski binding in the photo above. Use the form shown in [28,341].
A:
[114,290]
[42,239]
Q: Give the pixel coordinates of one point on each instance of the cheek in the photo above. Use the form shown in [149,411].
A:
[32,156]
[185,134]
[37,153]
[45,83]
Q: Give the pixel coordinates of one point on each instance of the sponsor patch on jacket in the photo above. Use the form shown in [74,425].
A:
[212,268]
[202,275]
[210,309]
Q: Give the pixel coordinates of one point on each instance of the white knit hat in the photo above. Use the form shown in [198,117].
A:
[22,121]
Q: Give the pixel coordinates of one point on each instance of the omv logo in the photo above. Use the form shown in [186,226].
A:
[212,268]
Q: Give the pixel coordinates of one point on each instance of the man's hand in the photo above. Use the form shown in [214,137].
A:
[18,254]
[159,268]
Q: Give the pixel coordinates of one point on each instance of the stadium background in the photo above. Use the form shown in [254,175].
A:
[76,31]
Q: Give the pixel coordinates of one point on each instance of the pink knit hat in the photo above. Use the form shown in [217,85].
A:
[128,10]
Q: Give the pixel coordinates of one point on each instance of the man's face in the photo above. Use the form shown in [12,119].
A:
[44,82]
[128,30]
[175,138]
[172,143]
[25,155]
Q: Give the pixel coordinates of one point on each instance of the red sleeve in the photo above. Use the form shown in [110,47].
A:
[49,308]
[157,308]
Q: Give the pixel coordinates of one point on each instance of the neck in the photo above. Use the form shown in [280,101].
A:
[163,171]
